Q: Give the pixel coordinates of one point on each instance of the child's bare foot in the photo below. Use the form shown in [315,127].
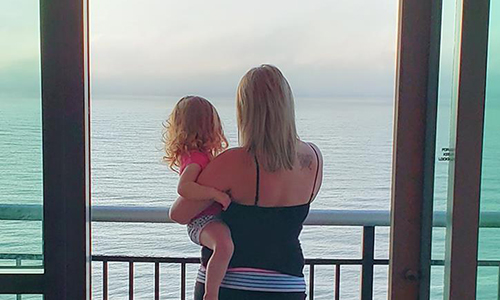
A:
[210,297]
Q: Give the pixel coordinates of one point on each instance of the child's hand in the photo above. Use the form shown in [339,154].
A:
[223,199]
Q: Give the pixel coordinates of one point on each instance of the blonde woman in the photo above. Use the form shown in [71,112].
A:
[272,179]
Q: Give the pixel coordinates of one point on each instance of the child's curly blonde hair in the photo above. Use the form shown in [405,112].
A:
[193,125]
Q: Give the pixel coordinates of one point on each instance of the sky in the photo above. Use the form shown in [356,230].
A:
[20,48]
[180,47]
[325,48]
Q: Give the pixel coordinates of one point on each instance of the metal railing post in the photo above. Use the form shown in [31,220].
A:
[18,264]
[157,281]
[368,263]
[337,282]
[498,294]
[183,281]
[105,280]
[131,280]
[311,281]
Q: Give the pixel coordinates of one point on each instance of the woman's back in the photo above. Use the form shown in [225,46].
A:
[276,189]
[292,187]
[262,228]
[261,235]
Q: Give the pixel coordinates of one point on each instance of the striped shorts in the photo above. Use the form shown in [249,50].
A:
[259,281]
[196,225]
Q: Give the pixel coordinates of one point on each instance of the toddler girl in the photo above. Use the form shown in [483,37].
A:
[193,137]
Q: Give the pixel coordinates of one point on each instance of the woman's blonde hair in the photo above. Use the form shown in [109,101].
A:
[266,117]
[193,125]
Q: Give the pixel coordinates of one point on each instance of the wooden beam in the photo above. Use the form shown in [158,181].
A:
[467,141]
[64,57]
[414,146]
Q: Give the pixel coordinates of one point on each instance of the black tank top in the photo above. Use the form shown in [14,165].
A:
[266,237]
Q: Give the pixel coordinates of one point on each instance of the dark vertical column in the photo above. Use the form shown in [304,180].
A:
[368,263]
[467,142]
[65,149]
[430,151]
[414,145]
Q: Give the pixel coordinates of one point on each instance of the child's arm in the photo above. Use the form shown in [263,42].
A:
[189,189]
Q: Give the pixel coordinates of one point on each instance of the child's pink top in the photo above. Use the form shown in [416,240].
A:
[194,157]
[202,159]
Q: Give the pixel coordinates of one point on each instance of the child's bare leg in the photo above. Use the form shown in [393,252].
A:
[216,236]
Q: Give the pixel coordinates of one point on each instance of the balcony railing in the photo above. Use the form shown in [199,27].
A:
[366,219]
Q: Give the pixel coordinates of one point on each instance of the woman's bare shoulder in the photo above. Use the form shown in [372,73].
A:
[311,144]
[309,147]
[232,155]
[221,169]
[312,148]
[318,151]
[232,152]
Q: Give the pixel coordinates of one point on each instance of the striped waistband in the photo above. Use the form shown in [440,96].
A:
[259,281]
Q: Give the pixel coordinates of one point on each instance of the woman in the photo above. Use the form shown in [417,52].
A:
[272,180]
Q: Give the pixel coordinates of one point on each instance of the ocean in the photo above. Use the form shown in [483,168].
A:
[354,135]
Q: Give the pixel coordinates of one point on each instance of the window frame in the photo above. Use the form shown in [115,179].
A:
[66,156]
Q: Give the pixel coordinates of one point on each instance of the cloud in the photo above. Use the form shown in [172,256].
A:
[204,47]
[166,47]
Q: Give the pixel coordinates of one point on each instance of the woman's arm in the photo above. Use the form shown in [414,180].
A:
[216,175]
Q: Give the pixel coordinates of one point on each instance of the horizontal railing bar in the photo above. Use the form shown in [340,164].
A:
[328,261]
[196,260]
[320,217]
[146,259]
[17,212]
[488,263]
[21,256]
[17,267]
[480,263]
[308,261]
